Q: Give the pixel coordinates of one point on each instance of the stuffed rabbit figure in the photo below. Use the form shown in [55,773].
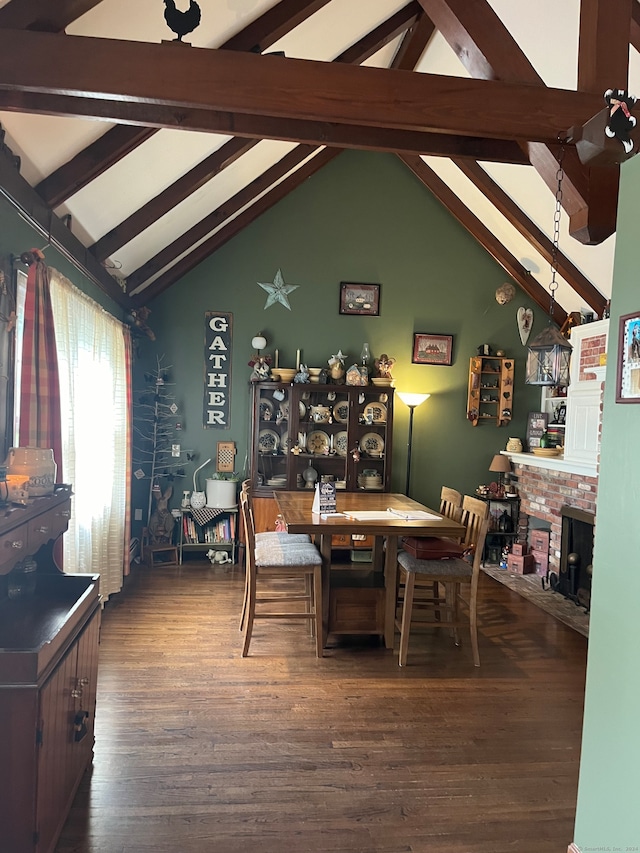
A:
[161,522]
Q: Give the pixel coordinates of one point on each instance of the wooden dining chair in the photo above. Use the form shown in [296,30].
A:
[450,503]
[270,560]
[282,538]
[453,574]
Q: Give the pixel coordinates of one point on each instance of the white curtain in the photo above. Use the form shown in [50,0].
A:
[93,402]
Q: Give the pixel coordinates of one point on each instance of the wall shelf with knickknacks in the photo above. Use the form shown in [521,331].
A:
[490,394]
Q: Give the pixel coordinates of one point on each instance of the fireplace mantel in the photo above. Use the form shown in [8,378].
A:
[552,463]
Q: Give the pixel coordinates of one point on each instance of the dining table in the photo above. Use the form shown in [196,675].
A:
[385,516]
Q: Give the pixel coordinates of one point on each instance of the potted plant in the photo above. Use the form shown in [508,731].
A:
[222,490]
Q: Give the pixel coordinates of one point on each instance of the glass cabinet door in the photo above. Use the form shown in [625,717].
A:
[302,433]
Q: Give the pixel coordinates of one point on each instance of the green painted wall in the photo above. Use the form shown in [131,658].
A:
[365,218]
[607,816]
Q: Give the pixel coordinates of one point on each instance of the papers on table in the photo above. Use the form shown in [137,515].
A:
[383,515]
[415,515]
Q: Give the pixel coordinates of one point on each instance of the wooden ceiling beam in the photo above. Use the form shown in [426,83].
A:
[43,15]
[119,141]
[165,201]
[228,231]
[275,23]
[266,127]
[219,216]
[603,62]
[634,35]
[234,148]
[140,74]
[91,162]
[488,51]
[414,43]
[530,231]
[603,46]
[381,35]
[483,235]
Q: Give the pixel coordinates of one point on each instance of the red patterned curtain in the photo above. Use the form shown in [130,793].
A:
[39,389]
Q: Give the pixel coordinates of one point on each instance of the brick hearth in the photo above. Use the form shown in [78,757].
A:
[543,492]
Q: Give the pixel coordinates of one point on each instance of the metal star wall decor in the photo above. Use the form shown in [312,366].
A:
[278,291]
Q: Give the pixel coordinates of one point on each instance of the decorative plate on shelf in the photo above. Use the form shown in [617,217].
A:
[341,412]
[372,443]
[341,443]
[302,409]
[317,441]
[268,441]
[378,411]
[284,409]
[266,410]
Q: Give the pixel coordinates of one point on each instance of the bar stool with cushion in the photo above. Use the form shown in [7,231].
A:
[270,560]
[453,574]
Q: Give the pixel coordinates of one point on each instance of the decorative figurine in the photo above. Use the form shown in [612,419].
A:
[302,375]
[336,365]
[181,22]
[621,122]
[261,368]
[383,366]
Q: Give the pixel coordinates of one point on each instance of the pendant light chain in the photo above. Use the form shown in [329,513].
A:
[553,285]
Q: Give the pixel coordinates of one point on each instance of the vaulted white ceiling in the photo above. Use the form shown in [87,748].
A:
[547,32]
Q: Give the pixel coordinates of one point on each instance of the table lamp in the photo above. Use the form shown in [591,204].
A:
[412,401]
[501,465]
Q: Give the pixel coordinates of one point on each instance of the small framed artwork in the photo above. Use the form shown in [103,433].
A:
[361,299]
[432,349]
[536,427]
[628,379]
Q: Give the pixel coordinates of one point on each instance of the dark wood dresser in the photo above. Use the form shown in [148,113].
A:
[48,672]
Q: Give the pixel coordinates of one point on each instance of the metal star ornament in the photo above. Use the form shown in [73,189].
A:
[278,291]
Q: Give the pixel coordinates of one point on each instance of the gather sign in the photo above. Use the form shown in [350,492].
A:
[218,336]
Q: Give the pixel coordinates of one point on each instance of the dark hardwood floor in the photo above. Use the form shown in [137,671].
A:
[200,751]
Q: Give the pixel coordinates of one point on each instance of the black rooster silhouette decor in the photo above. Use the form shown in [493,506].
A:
[181,22]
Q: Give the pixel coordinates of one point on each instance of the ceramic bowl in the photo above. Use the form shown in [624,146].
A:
[286,373]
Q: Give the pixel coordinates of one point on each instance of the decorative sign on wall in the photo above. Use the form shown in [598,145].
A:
[218,336]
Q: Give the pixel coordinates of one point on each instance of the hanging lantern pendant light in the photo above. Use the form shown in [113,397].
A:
[549,353]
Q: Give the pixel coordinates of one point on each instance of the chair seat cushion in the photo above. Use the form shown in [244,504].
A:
[283,538]
[276,554]
[431,547]
[442,568]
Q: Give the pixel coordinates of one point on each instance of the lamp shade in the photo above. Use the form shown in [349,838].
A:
[500,464]
[412,400]
[259,342]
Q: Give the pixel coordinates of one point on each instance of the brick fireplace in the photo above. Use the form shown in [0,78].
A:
[545,487]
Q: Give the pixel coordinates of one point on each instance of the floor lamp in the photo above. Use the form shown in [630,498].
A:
[412,401]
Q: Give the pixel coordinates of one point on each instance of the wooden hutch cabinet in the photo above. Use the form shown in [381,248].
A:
[48,673]
[302,432]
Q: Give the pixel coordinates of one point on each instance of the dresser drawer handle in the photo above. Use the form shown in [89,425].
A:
[17,544]
[66,513]
[43,529]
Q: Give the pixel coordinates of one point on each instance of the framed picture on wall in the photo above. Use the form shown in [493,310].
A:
[361,299]
[628,378]
[432,349]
